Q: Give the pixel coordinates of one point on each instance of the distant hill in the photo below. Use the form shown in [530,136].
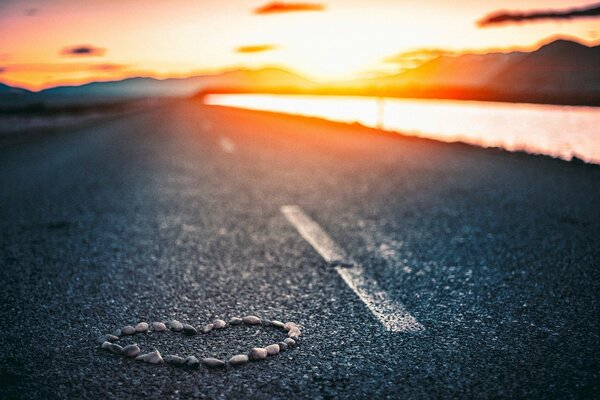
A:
[9,90]
[464,70]
[14,97]
[558,67]
[236,80]
[560,72]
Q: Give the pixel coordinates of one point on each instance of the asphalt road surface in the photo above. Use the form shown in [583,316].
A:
[177,213]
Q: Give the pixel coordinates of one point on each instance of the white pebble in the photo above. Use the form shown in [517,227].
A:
[272,349]
[213,362]
[251,320]
[192,362]
[239,359]
[115,348]
[289,325]
[277,324]
[190,330]
[294,333]
[131,350]
[154,358]
[127,330]
[175,360]
[257,353]
[176,325]
[219,324]
[159,327]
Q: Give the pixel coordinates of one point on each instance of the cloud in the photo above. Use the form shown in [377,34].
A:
[108,67]
[277,7]
[414,58]
[508,17]
[260,48]
[418,55]
[2,70]
[83,50]
[31,12]
[63,67]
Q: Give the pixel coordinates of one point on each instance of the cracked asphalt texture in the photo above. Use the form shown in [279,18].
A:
[147,218]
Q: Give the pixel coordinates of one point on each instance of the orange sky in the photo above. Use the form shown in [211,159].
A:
[331,40]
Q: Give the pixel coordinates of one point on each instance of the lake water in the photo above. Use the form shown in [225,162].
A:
[558,131]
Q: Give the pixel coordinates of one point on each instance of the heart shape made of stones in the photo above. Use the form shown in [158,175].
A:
[108,341]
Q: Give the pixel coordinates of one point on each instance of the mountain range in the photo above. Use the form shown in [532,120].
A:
[561,66]
[561,72]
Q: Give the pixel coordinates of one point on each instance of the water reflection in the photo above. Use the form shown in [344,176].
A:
[559,131]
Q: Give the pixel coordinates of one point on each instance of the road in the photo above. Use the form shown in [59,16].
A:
[180,212]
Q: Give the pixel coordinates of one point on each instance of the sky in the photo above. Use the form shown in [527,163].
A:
[44,43]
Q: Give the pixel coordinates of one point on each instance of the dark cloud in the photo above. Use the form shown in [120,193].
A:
[282,7]
[2,70]
[256,48]
[508,17]
[83,50]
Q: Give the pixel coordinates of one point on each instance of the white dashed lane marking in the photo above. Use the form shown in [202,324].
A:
[227,145]
[392,314]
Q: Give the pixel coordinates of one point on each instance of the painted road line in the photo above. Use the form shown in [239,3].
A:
[393,315]
[227,145]
[314,235]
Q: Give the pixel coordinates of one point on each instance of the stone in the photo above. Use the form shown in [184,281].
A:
[206,328]
[213,362]
[282,346]
[127,330]
[192,362]
[289,325]
[175,360]
[239,359]
[277,324]
[219,324]
[294,333]
[106,345]
[112,338]
[257,353]
[115,348]
[141,357]
[107,338]
[176,326]
[272,349]
[235,321]
[154,357]
[189,330]
[290,342]
[251,320]
[159,327]
[117,332]
[265,322]
[141,327]
[131,350]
